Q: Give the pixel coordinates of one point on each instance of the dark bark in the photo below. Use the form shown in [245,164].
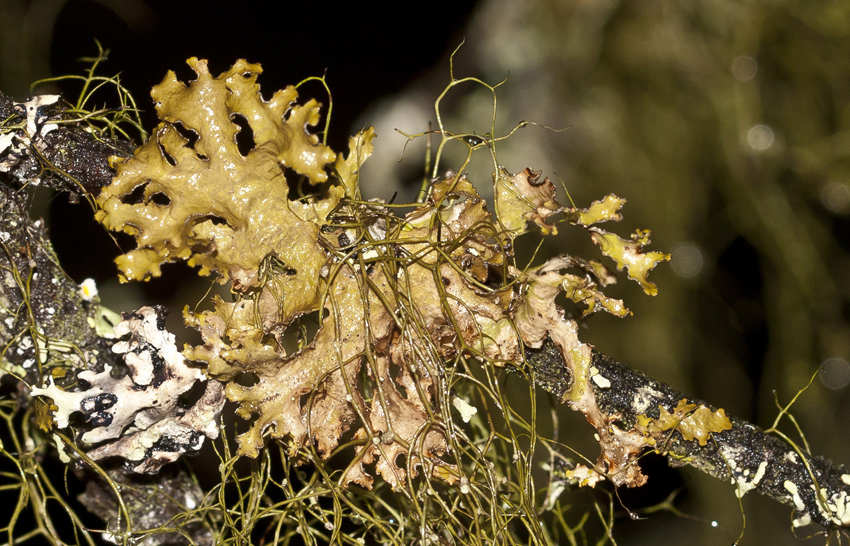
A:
[69,158]
[817,488]
[39,301]
[46,324]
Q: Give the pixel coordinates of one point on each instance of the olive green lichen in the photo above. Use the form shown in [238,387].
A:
[206,203]
[416,313]
[202,200]
[399,297]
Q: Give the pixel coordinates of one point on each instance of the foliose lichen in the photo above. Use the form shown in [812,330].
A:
[405,293]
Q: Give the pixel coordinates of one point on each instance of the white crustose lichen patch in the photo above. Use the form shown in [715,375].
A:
[139,411]
[835,508]
[745,485]
[743,478]
[791,487]
[839,504]
[601,381]
[643,399]
[16,144]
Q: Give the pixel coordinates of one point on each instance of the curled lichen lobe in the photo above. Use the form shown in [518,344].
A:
[190,193]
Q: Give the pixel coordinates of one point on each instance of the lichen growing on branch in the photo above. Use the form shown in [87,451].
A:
[411,292]
[139,416]
[417,312]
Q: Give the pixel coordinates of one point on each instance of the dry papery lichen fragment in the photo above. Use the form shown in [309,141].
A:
[537,317]
[439,308]
[523,197]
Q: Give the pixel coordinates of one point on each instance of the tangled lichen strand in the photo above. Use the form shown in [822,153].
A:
[205,202]
[401,297]
[428,286]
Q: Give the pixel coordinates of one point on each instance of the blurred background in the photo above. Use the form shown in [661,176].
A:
[726,126]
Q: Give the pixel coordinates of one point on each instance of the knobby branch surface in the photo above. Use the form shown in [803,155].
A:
[38,297]
[38,301]
[746,455]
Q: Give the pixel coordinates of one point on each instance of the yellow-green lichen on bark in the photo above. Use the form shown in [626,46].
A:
[692,421]
[204,201]
[392,292]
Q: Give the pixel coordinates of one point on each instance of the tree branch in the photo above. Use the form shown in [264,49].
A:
[817,488]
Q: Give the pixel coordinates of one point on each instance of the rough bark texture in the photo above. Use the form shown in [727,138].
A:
[68,158]
[38,301]
[817,488]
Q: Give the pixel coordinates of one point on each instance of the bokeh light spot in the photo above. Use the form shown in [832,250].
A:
[687,260]
[835,197]
[834,373]
[744,68]
[760,137]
